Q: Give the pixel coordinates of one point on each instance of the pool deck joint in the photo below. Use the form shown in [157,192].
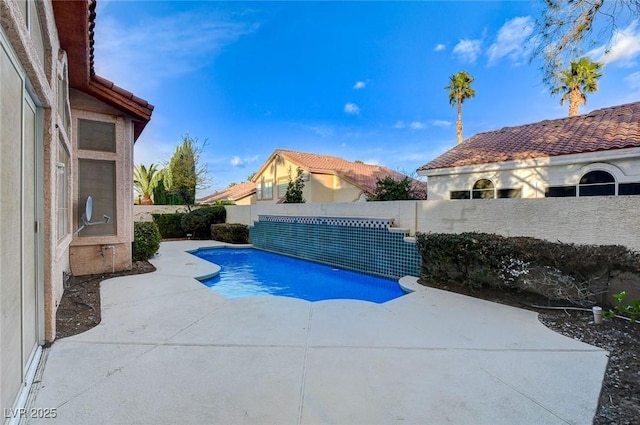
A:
[170,350]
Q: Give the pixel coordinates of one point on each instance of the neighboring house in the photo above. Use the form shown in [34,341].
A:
[239,194]
[326,178]
[65,134]
[596,154]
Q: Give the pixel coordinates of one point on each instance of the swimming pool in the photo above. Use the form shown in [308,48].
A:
[247,272]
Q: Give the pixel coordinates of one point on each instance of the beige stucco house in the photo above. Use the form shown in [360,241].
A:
[66,134]
[327,178]
[595,154]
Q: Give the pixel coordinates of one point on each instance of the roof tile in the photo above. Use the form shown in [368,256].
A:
[232,193]
[365,176]
[616,127]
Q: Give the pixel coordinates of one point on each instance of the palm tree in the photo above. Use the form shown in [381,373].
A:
[580,78]
[460,89]
[145,181]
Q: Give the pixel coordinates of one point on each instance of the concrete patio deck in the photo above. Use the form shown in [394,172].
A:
[171,351]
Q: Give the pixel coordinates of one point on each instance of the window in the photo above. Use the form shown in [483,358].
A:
[62,172]
[35,28]
[509,193]
[560,191]
[267,190]
[594,183]
[460,194]
[629,189]
[96,135]
[264,189]
[98,180]
[597,183]
[483,189]
[283,184]
[63,103]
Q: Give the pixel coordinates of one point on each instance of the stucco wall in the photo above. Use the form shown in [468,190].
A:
[319,188]
[239,214]
[587,220]
[533,176]
[32,261]
[143,212]
[86,251]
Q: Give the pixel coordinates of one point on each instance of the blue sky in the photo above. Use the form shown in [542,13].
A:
[359,80]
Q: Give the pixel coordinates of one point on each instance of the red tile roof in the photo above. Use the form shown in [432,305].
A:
[232,193]
[616,127]
[75,21]
[364,176]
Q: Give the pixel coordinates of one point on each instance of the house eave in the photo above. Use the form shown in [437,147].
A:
[546,161]
[75,21]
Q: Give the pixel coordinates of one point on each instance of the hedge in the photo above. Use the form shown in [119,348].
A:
[580,274]
[146,240]
[198,222]
[230,233]
[170,225]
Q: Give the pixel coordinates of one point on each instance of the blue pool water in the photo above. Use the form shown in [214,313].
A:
[250,272]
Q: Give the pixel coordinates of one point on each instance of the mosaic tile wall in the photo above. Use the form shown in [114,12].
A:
[364,245]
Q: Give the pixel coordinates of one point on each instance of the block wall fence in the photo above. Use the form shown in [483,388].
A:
[586,220]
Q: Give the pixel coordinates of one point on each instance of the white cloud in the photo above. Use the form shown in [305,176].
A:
[440,123]
[417,125]
[236,161]
[351,108]
[512,40]
[359,85]
[439,47]
[468,50]
[623,47]
[127,55]
[399,124]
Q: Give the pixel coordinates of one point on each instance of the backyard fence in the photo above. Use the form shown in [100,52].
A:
[586,220]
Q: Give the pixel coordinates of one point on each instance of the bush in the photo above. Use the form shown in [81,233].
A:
[146,240]
[230,233]
[580,274]
[170,225]
[198,222]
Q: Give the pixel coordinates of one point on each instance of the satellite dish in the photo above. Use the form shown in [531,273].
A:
[86,216]
[88,209]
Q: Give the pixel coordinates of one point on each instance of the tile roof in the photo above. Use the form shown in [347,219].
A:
[616,127]
[232,193]
[364,176]
[75,22]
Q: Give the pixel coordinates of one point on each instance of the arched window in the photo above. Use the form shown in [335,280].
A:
[483,189]
[597,183]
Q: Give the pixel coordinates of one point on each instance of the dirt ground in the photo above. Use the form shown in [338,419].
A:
[619,404]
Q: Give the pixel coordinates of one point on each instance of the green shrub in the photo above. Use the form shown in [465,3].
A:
[230,233]
[146,240]
[198,222]
[170,225]
[581,274]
